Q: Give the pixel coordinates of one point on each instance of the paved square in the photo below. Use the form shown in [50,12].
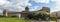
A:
[41,21]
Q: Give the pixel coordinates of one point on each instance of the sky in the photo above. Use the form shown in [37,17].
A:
[34,5]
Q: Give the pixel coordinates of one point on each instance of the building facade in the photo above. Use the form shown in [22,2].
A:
[45,9]
[10,13]
[54,14]
[25,13]
[5,12]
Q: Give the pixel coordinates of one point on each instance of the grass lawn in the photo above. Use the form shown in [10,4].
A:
[12,20]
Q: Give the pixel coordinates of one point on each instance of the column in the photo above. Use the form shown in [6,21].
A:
[6,14]
[19,15]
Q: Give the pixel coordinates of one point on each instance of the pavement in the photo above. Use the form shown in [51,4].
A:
[41,21]
[58,20]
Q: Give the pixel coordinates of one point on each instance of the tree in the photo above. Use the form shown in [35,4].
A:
[39,15]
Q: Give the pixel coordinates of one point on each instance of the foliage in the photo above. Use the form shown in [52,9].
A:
[39,14]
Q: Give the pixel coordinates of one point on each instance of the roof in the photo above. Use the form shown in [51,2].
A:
[14,12]
[45,8]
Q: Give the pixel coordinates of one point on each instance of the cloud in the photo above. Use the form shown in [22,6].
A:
[2,2]
[57,6]
[19,5]
[53,0]
[29,4]
[14,5]
[34,8]
[42,1]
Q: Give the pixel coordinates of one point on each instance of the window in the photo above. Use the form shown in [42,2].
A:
[47,11]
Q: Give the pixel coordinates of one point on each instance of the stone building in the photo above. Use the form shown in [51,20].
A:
[45,9]
[5,12]
[10,13]
[53,14]
[14,14]
[56,14]
[26,12]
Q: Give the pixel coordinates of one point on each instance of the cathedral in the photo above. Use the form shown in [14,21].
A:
[24,13]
